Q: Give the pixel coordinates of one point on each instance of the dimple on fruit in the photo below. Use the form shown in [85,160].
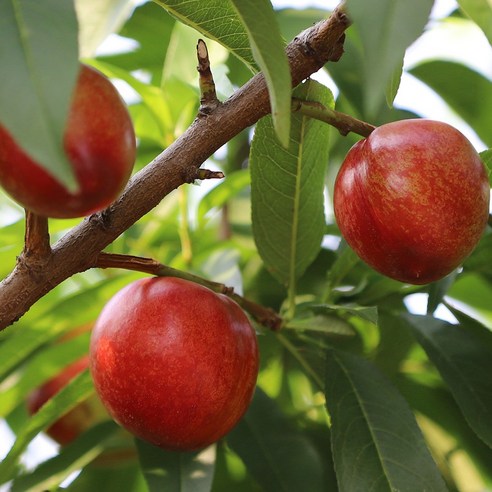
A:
[412,199]
[173,362]
[99,141]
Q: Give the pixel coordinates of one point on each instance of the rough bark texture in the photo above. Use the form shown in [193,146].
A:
[78,250]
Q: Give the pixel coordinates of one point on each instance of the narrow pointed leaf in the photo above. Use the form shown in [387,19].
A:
[98,19]
[176,471]
[268,49]
[72,394]
[215,19]
[376,442]
[386,28]
[278,456]
[486,157]
[287,190]
[71,458]
[480,11]
[42,366]
[464,359]
[39,60]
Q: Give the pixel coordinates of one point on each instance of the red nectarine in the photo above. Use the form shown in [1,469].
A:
[412,199]
[174,363]
[100,144]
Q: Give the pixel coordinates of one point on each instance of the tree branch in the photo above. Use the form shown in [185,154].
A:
[78,250]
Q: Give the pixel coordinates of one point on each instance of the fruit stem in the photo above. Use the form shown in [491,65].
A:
[263,315]
[37,237]
[208,99]
[343,122]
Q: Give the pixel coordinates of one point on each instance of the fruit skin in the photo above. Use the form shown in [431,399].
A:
[80,418]
[100,144]
[173,362]
[412,199]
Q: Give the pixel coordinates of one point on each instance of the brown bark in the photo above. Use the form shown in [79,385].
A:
[79,249]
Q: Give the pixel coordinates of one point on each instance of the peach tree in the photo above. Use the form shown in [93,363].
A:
[243,113]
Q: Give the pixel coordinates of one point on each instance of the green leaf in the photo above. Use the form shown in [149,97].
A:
[368,313]
[175,471]
[42,366]
[331,325]
[278,456]
[217,20]
[435,403]
[20,343]
[123,476]
[76,391]
[346,260]
[480,11]
[39,60]
[150,27]
[386,29]
[268,50]
[51,317]
[292,21]
[287,190]
[437,291]
[486,157]
[394,84]
[97,19]
[466,91]
[465,363]
[376,442]
[70,458]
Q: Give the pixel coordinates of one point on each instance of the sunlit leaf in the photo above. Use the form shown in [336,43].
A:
[278,456]
[386,29]
[71,458]
[98,19]
[436,404]
[37,39]
[480,11]
[465,364]
[377,444]
[268,50]
[150,27]
[176,471]
[331,325]
[287,190]
[468,92]
[43,365]
[215,19]
[68,397]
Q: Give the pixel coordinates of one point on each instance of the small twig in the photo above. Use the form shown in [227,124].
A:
[37,237]
[208,174]
[343,122]
[208,99]
[265,316]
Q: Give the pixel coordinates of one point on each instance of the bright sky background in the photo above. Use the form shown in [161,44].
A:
[459,41]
